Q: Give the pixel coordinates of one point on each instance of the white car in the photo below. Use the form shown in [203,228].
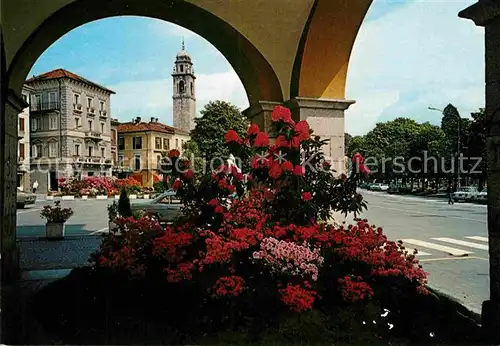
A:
[482,197]
[465,194]
[379,187]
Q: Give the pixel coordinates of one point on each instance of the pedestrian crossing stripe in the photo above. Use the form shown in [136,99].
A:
[463,243]
[451,251]
[485,239]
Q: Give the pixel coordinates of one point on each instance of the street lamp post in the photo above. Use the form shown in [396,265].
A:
[458,139]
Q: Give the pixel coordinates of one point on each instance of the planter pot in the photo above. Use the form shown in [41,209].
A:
[145,196]
[54,230]
[132,197]
[102,197]
[117,197]
[66,198]
[50,198]
[85,197]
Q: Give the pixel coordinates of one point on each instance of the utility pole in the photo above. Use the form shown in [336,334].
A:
[486,13]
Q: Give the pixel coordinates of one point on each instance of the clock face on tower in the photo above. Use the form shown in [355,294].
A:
[184,98]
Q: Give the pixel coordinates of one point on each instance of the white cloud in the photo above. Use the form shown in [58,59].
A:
[421,52]
[153,98]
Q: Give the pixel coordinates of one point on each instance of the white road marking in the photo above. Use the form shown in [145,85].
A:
[449,250]
[462,243]
[485,239]
[421,253]
[452,259]
[429,214]
[28,211]
[102,230]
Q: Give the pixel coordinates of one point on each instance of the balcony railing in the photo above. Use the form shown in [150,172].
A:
[20,160]
[91,110]
[77,107]
[93,135]
[44,106]
[103,113]
[92,160]
[20,133]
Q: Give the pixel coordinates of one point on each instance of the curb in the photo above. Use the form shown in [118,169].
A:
[102,197]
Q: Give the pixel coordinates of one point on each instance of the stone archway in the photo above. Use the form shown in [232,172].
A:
[294,52]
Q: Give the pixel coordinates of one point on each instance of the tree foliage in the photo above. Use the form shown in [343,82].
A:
[208,134]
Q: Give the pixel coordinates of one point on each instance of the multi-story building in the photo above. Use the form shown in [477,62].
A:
[23,135]
[70,128]
[141,145]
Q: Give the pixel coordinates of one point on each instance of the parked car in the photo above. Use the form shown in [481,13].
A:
[393,188]
[482,197]
[379,187]
[465,194]
[165,207]
[24,198]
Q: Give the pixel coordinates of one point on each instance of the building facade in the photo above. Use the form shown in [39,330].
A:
[140,148]
[114,141]
[70,128]
[184,97]
[23,147]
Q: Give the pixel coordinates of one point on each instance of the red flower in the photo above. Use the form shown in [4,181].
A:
[297,298]
[295,142]
[326,165]
[281,113]
[189,174]
[213,202]
[299,170]
[364,169]
[302,129]
[219,209]
[177,184]
[306,196]
[229,286]
[281,142]
[261,140]
[287,166]
[253,129]
[174,153]
[358,159]
[232,136]
[275,171]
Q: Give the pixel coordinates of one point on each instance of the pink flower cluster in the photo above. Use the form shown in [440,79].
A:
[289,258]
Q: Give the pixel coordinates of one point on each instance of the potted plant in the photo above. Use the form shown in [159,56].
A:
[112,215]
[56,218]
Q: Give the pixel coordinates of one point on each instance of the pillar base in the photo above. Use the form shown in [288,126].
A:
[490,317]
[10,265]
[260,113]
[326,119]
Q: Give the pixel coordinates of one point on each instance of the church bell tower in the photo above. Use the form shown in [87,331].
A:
[184,99]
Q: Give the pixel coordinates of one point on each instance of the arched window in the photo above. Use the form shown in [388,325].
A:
[182,68]
[192,89]
[181,87]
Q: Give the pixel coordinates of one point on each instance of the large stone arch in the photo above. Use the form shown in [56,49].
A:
[294,52]
[257,76]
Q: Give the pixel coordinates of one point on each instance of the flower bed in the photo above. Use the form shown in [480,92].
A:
[248,256]
[97,186]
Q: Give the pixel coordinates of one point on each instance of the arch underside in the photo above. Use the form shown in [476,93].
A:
[303,52]
[257,76]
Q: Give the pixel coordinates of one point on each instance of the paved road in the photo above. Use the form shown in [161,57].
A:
[452,240]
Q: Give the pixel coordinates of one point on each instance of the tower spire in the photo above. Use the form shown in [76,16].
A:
[183,46]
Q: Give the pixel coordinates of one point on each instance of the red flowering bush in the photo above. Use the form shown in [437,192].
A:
[257,239]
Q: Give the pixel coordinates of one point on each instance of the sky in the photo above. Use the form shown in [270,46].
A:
[409,55]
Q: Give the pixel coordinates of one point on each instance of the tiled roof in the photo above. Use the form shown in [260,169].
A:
[62,73]
[142,127]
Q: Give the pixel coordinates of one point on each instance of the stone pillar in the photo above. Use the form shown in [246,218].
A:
[14,104]
[260,114]
[326,119]
[487,13]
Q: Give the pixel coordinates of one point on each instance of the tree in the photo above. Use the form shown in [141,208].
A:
[347,142]
[208,134]
[124,208]
[476,147]
[193,154]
